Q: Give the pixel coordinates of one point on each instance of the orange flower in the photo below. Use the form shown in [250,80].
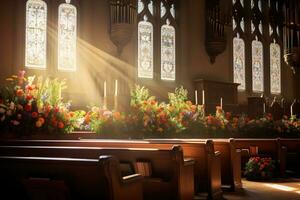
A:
[29,97]
[42,120]
[38,124]
[20,92]
[61,125]
[117,115]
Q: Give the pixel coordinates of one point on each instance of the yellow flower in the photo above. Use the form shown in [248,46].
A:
[9,79]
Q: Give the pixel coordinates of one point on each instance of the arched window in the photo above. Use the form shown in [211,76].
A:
[36,34]
[239,62]
[156,33]
[257,66]
[168,43]
[275,68]
[67,36]
[145,49]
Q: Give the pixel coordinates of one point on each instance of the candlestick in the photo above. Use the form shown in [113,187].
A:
[196,97]
[203,97]
[221,103]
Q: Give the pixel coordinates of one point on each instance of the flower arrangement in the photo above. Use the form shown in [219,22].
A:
[258,168]
[30,105]
[35,105]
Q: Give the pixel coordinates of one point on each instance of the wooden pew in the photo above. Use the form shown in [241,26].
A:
[171,177]
[207,162]
[293,153]
[266,148]
[40,178]
[230,160]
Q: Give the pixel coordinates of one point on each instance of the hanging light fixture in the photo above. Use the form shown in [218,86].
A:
[291,34]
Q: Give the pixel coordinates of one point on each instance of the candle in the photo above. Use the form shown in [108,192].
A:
[104,96]
[116,95]
[116,87]
[221,103]
[196,97]
[104,89]
[292,109]
[203,97]
[264,108]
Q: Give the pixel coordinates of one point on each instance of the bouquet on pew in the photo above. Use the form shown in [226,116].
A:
[258,168]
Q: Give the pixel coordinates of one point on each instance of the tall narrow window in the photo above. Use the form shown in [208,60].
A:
[257,66]
[239,62]
[145,49]
[67,36]
[239,44]
[275,69]
[168,53]
[36,34]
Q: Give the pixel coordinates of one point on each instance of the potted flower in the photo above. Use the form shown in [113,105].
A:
[258,168]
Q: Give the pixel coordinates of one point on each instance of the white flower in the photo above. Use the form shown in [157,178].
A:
[12,106]
[2,110]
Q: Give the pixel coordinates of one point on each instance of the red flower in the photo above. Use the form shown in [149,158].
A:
[34,115]
[56,109]
[29,97]
[28,107]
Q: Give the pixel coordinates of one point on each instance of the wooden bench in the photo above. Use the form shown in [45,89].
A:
[171,176]
[207,162]
[230,160]
[264,148]
[293,153]
[40,178]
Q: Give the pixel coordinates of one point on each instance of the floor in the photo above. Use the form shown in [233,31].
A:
[281,189]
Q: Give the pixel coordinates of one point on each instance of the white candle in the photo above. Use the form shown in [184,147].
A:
[203,97]
[292,110]
[196,97]
[104,89]
[221,103]
[264,108]
[116,87]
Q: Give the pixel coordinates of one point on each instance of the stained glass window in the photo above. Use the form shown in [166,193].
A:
[67,35]
[36,34]
[275,68]
[257,66]
[239,62]
[168,52]
[145,49]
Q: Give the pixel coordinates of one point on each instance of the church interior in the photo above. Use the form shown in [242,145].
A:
[150,99]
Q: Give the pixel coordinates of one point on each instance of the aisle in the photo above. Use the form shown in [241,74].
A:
[283,189]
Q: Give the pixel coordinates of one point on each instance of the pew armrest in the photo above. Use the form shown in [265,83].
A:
[282,160]
[237,170]
[188,161]
[132,178]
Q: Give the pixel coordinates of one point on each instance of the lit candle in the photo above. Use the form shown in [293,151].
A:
[116,95]
[203,97]
[196,97]
[104,96]
[221,103]
[116,87]
[104,89]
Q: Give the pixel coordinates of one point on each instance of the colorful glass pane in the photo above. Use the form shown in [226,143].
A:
[257,66]
[145,49]
[168,52]
[275,68]
[239,62]
[67,36]
[36,34]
